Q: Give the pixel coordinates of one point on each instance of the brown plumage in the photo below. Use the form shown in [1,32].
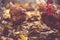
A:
[52,21]
[17,14]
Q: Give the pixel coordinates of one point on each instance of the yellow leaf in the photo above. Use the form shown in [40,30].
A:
[23,37]
[7,14]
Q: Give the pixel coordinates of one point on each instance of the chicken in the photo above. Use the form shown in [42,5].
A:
[50,17]
[17,14]
[52,21]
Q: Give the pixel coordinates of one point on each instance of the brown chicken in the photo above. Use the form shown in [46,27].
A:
[50,17]
[17,14]
[52,20]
